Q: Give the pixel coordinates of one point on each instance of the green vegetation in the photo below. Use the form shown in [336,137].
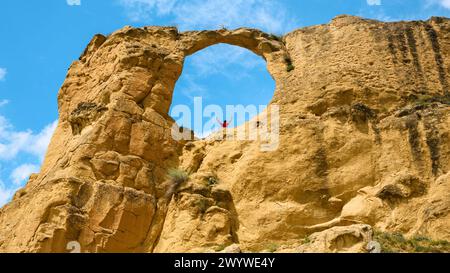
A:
[272,247]
[177,176]
[276,37]
[423,101]
[212,180]
[305,240]
[289,65]
[397,243]
[220,248]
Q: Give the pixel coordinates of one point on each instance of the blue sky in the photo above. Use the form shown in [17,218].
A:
[40,39]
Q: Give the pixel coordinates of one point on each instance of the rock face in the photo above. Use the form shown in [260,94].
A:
[364,140]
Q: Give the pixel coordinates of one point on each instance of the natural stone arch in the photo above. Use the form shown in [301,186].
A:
[268,46]
[108,159]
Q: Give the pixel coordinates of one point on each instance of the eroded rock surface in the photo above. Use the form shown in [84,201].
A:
[364,140]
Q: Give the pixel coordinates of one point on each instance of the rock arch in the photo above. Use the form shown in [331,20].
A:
[102,181]
[270,47]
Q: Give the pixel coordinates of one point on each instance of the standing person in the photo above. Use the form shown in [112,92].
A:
[224,124]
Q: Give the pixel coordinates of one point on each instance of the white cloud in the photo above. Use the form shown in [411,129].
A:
[225,59]
[73,2]
[13,142]
[23,172]
[39,142]
[374,2]
[138,10]
[444,3]
[3,102]
[5,194]
[2,73]
[199,14]
[192,89]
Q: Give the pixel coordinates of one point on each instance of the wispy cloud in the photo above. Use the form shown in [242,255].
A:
[41,140]
[232,62]
[267,15]
[73,2]
[191,88]
[140,10]
[23,172]
[3,102]
[225,60]
[374,2]
[443,3]
[5,193]
[422,10]
[2,73]
[13,142]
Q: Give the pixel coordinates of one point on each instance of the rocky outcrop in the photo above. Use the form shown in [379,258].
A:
[353,238]
[364,140]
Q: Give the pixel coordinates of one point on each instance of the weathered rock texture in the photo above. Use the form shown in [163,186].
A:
[364,140]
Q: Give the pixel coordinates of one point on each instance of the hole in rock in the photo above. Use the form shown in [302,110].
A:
[216,79]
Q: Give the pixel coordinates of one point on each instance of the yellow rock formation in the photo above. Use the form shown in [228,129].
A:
[364,144]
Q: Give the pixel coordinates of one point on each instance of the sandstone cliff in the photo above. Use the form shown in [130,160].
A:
[364,144]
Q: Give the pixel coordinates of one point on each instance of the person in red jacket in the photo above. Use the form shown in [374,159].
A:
[225,123]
